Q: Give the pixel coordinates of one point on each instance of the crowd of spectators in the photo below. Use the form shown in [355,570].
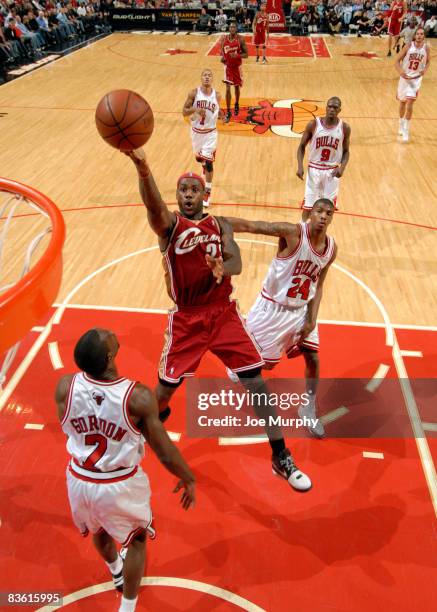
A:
[28,28]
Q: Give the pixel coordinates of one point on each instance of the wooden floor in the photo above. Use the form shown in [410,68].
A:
[386,236]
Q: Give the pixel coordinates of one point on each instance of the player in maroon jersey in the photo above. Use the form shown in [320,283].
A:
[260,28]
[200,256]
[398,10]
[232,49]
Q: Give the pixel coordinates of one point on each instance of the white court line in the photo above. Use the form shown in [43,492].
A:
[55,357]
[377,378]
[37,328]
[370,455]
[411,353]
[174,436]
[166,581]
[37,426]
[322,321]
[334,415]
[429,426]
[234,441]
[313,51]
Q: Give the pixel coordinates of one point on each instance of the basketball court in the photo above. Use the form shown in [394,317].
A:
[366,531]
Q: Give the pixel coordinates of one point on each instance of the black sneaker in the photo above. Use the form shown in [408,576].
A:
[228,116]
[389,54]
[284,466]
[164,414]
[257,58]
[236,109]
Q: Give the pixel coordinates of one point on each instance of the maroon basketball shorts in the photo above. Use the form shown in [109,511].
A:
[218,328]
[259,38]
[233,75]
[394,27]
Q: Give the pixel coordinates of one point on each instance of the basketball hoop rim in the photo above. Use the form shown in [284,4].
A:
[32,296]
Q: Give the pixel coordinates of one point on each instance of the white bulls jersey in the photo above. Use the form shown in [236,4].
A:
[415,60]
[292,281]
[211,106]
[102,440]
[326,146]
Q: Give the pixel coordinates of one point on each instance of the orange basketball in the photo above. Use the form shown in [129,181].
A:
[124,119]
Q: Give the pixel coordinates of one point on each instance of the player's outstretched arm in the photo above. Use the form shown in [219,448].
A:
[143,408]
[232,264]
[161,219]
[281,230]
[314,304]
[306,137]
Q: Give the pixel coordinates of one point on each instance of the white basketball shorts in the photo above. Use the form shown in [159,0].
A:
[320,184]
[204,145]
[408,89]
[276,327]
[122,508]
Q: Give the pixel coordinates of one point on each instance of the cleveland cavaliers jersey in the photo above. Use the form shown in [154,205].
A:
[292,281]
[102,440]
[261,23]
[397,11]
[414,61]
[326,146]
[190,281]
[210,105]
[231,51]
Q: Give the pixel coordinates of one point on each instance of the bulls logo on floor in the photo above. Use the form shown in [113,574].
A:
[286,118]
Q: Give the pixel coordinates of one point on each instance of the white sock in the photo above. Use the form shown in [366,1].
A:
[208,186]
[401,122]
[407,124]
[127,605]
[115,567]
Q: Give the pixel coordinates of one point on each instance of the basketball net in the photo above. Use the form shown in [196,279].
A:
[12,206]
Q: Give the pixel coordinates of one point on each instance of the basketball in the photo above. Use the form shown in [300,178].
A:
[124,119]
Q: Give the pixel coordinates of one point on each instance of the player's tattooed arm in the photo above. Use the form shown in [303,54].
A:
[244,52]
[314,304]
[61,394]
[231,251]
[339,171]
[306,137]
[161,219]
[143,409]
[281,230]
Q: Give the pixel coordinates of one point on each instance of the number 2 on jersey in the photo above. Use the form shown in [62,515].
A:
[299,288]
[98,452]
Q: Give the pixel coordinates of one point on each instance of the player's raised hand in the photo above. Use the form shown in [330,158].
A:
[188,497]
[217,267]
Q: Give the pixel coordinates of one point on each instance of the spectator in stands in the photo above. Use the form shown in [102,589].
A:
[347,15]
[221,21]
[334,23]
[314,20]
[32,40]
[44,25]
[378,25]
[431,26]
[13,36]
[204,23]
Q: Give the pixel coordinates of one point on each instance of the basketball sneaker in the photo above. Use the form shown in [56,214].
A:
[118,579]
[264,60]
[236,109]
[309,412]
[206,199]
[401,127]
[389,54]
[405,135]
[232,375]
[283,465]
[257,58]
[228,116]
